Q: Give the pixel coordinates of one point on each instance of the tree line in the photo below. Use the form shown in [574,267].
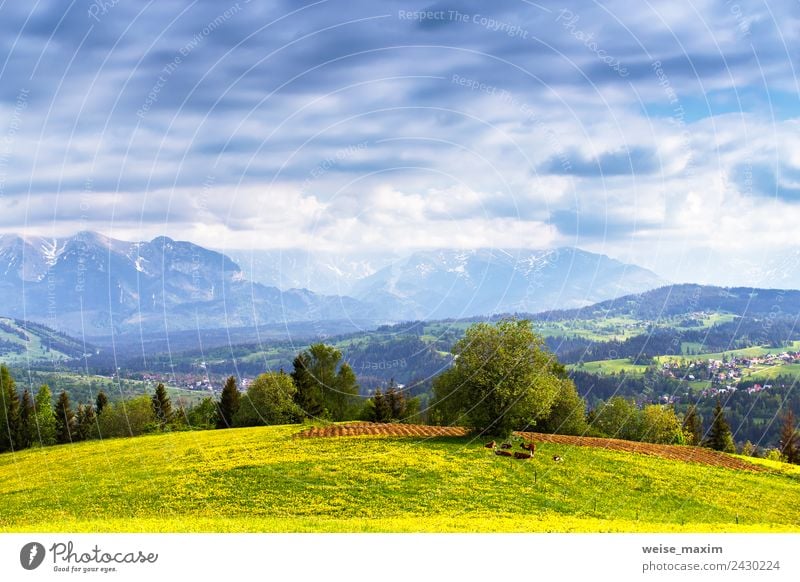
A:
[321,386]
[503,379]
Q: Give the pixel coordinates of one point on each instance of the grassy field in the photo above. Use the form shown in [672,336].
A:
[84,387]
[263,479]
[743,353]
[610,367]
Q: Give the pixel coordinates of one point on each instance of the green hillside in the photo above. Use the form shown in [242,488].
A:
[27,342]
[263,479]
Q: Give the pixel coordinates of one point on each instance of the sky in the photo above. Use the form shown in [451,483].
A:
[659,133]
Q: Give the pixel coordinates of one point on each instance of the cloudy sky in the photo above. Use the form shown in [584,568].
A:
[661,133]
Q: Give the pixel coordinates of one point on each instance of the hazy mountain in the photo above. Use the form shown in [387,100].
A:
[686,299]
[463,283]
[321,272]
[93,284]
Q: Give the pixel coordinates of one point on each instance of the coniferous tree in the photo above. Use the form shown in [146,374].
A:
[27,421]
[309,394]
[77,434]
[396,402]
[86,422]
[228,403]
[65,419]
[693,427]
[100,402]
[380,411]
[789,443]
[9,411]
[162,407]
[719,436]
[45,417]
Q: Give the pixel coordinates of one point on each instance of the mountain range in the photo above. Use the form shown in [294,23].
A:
[93,285]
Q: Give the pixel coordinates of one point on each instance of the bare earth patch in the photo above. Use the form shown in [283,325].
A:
[672,452]
[373,428]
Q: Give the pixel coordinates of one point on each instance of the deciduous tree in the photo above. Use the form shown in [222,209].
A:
[693,427]
[502,379]
[324,383]
[45,416]
[268,400]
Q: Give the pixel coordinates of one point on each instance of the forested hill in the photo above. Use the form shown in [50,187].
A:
[674,300]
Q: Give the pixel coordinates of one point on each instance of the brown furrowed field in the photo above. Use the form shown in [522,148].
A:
[672,452]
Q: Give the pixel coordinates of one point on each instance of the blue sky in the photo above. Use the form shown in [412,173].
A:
[661,133]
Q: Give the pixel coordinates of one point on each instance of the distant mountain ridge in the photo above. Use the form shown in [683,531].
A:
[687,298]
[446,283]
[93,285]
[466,283]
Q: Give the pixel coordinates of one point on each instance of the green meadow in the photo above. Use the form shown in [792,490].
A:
[265,480]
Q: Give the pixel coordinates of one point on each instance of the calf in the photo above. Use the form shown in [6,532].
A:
[503,453]
[490,445]
[529,447]
[528,455]
[505,446]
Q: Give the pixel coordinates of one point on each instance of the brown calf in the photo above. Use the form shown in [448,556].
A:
[503,453]
[528,455]
[490,445]
[529,446]
[505,446]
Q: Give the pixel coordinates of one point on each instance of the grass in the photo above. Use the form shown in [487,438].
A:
[743,353]
[772,372]
[262,479]
[84,387]
[611,367]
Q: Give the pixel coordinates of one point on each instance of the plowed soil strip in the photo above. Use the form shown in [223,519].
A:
[672,452]
[370,428]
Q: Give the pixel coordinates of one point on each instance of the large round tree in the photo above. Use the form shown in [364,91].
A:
[502,379]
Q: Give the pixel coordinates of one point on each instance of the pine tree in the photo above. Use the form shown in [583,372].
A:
[77,434]
[789,443]
[100,402]
[86,422]
[27,421]
[693,427]
[65,419]
[719,436]
[162,407]
[396,401]
[309,395]
[380,407]
[9,411]
[45,417]
[228,403]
